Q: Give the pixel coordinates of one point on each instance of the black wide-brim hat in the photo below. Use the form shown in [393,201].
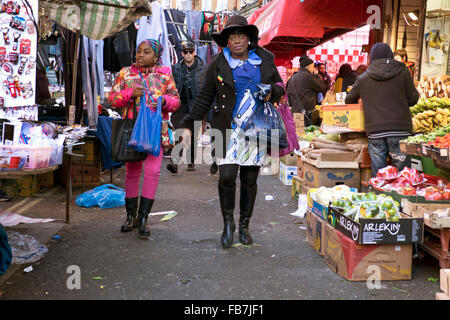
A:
[233,23]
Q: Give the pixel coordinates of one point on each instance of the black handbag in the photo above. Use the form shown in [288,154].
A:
[121,130]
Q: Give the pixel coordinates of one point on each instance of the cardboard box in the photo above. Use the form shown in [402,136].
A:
[296,187]
[346,116]
[286,173]
[378,231]
[23,187]
[425,211]
[318,209]
[299,120]
[299,165]
[289,159]
[329,177]
[315,228]
[442,296]
[355,262]
[445,281]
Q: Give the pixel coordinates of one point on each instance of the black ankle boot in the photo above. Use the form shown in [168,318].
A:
[172,168]
[247,203]
[227,196]
[131,205]
[145,206]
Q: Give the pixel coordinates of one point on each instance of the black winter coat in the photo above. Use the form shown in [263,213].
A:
[219,84]
[178,72]
[306,86]
[387,91]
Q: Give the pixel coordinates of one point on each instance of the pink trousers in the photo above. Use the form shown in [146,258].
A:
[152,171]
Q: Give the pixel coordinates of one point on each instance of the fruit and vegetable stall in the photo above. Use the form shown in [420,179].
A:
[353,216]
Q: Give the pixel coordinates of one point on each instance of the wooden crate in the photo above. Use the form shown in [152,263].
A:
[91,174]
[365,158]
[47,180]
[23,187]
[413,149]
[91,150]
[436,242]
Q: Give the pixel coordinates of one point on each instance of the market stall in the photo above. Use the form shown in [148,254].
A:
[289,28]
[431,144]
[31,149]
[408,209]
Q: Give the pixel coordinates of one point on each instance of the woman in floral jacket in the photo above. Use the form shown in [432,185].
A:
[128,88]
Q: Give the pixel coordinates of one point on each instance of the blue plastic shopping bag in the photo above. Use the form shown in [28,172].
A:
[146,136]
[105,196]
[265,124]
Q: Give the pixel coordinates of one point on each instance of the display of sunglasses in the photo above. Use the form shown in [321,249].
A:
[188,51]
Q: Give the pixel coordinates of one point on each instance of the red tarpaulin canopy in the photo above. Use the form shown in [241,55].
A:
[289,27]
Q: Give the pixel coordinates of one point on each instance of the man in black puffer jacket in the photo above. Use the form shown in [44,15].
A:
[387,91]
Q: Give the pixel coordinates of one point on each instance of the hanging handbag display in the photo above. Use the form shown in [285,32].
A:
[121,130]
[167,135]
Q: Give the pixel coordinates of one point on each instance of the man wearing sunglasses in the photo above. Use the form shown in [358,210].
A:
[189,74]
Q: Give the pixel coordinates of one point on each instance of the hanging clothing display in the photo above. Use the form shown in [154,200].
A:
[89,78]
[175,19]
[68,55]
[194,23]
[155,27]
[207,29]
[99,44]
[117,52]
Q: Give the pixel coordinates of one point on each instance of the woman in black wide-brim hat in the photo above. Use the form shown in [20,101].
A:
[231,78]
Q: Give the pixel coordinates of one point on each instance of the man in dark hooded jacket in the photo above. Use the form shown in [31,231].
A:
[387,91]
[304,88]
[189,74]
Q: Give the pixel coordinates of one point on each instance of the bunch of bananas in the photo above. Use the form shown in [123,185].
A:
[429,104]
[426,121]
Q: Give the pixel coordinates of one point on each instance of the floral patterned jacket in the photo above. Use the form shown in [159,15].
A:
[160,82]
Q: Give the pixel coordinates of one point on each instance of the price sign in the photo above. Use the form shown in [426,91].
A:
[340,97]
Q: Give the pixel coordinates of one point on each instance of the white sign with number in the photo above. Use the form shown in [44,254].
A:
[340,96]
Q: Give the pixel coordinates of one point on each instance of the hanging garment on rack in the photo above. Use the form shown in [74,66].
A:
[155,27]
[132,37]
[208,20]
[117,52]
[194,23]
[175,16]
[202,51]
[99,44]
[68,56]
[88,56]
[221,22]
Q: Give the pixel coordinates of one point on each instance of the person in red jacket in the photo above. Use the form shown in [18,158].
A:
[127,89]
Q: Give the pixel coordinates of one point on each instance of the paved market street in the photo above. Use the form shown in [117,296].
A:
[183,258]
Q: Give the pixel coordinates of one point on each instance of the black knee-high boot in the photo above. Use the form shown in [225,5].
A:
[145,206]
[131,205]
[227,201]
[247,203]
